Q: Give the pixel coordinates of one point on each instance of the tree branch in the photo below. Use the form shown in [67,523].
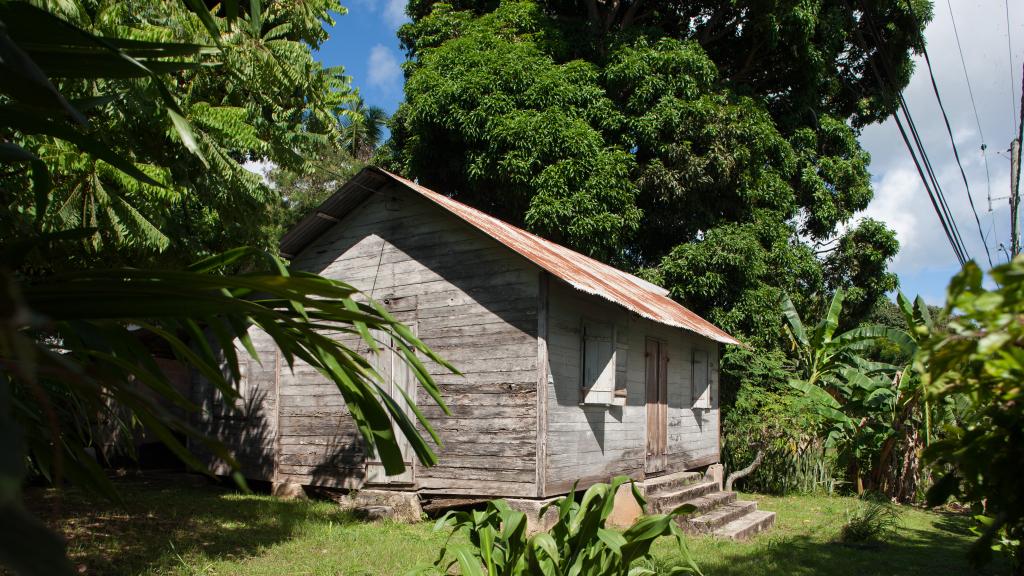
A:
[630,15]
[746,471]
[593,14]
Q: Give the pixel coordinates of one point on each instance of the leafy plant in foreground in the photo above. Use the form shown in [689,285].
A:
[71,350]
[981,359]
[579,544]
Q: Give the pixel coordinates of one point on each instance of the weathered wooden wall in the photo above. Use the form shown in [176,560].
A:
[470,299]
[247,426]
[594,442]
[509,328]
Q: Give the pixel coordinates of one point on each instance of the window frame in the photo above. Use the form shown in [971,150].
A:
[700,399]
[590,393]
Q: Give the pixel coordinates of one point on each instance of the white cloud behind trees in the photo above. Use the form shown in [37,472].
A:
[926,261]
[383,69]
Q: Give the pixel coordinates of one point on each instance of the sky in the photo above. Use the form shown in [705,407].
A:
[364,42]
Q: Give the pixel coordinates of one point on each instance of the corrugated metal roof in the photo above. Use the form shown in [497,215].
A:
[581,272]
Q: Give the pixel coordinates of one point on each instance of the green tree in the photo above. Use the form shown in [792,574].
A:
[250,91]
[853,396]
[363,129]
[630,131]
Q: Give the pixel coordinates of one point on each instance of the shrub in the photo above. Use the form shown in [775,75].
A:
[760,411]
[876,522]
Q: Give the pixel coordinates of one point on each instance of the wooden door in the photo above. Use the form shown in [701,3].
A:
[397,376]
[656,361]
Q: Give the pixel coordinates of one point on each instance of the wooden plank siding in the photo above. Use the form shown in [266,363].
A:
[248,427]
[474,302]
[592,443]
[510,328]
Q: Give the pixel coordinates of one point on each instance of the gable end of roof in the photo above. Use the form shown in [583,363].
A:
[583,273]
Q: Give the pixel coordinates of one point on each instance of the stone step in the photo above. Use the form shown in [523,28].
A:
[664,503]
[669,482]
[746,526]
[710,501]
[718,517]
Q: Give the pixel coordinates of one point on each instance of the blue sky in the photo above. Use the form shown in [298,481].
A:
[364,42]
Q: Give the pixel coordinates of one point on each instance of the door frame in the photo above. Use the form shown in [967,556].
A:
[656,391]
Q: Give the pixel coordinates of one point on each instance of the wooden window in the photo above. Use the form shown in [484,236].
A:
[701,380]
[598,361]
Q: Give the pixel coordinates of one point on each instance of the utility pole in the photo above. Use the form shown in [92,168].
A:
[1015,178]
[1014,197]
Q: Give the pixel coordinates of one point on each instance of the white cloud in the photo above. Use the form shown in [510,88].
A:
[383,69]
[392,12]
[900,199]
[262,167]
[896,202]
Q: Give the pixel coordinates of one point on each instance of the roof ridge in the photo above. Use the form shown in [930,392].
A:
[633,293]
[551,244]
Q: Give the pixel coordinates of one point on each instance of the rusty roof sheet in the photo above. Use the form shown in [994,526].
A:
[581,272]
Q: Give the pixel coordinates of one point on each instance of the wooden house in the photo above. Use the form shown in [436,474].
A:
[573,370]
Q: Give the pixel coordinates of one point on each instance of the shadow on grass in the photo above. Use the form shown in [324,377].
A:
[160,526]
[913,552]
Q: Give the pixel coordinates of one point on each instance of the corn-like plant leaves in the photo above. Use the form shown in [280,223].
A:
[579,544]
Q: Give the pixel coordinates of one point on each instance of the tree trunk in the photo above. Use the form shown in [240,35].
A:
[744,472]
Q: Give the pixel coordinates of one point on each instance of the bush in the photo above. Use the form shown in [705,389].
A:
[877,522]
[761,412]
[979,363]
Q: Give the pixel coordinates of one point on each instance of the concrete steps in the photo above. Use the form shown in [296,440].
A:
[746,526]
[720,516]
[666,502]
[717,513]
[670,482]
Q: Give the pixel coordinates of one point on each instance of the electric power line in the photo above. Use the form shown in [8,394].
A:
[923,165]
[949,130]
[974,106]
[936,188]
[1009,52]
[931,196]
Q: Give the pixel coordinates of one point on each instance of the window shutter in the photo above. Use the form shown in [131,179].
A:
[701,380]
[598,363]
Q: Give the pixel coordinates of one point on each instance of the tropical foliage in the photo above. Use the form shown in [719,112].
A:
[104,131]
[629,131]
[579,543]
[170,186]
[867,407]
[980,361]
[363,129]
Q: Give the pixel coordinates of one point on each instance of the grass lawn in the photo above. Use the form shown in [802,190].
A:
[166,527]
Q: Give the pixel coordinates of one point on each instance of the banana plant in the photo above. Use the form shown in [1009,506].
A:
[845,389]
[579,544]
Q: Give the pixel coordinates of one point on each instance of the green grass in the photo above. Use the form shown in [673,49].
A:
[180,528]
